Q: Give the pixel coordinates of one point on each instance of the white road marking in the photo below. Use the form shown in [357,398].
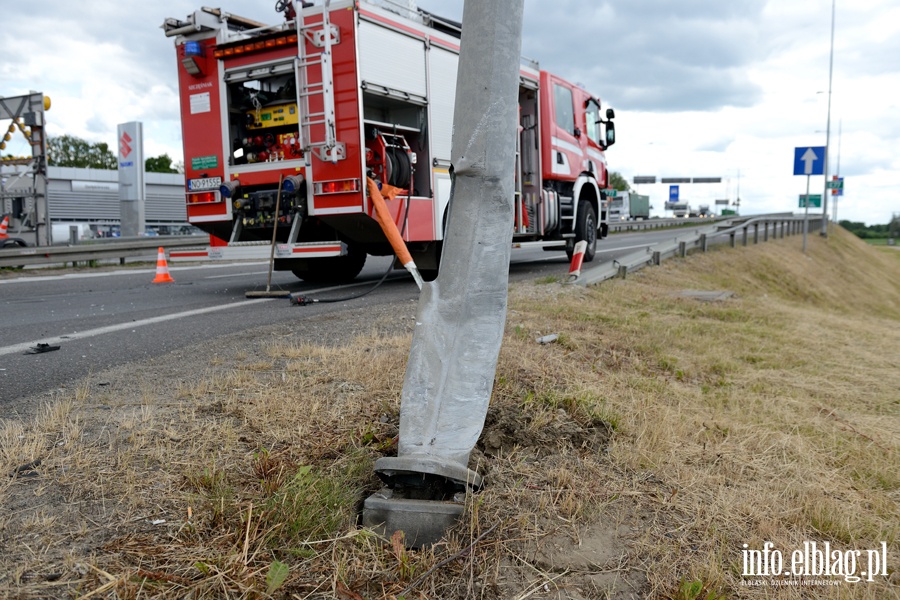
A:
[80,335]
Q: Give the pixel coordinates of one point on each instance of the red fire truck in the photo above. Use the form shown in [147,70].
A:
[283,126]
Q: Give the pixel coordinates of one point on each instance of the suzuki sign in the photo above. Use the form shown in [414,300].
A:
[131,178]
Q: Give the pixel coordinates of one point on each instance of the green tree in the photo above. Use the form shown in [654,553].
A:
[865,232]
[160,164]
[617,182]
[71,151]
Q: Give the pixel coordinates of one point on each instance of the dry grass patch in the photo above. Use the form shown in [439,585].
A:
[632,458]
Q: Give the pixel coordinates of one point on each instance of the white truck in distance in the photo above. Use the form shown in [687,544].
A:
[627,206]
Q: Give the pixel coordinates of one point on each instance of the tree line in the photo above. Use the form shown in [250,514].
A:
[874,232]
[72,151]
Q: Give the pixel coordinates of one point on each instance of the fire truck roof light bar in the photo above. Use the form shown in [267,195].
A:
[255,46]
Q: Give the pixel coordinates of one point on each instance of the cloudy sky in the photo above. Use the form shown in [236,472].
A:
[701,88]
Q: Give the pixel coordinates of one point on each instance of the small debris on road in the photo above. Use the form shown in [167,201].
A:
[41,348]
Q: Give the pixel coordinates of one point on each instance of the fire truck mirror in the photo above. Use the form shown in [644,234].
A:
[610,134]
[610,113]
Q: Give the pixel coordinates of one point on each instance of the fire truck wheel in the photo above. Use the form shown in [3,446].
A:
[337,269]
[586,229]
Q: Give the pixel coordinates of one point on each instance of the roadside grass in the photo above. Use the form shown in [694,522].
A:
[660,432]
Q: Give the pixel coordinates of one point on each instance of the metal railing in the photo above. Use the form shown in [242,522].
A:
[656,223]
[96,250]
[122,248]
[741,230]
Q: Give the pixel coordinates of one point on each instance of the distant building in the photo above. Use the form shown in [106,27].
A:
[92,196]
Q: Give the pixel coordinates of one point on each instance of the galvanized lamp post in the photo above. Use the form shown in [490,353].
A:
[462,314]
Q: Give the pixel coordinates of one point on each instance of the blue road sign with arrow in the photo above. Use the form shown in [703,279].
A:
[809,160]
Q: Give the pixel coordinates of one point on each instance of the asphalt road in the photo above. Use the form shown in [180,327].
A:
[112,317]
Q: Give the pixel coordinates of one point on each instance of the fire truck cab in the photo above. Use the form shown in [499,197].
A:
[284,124]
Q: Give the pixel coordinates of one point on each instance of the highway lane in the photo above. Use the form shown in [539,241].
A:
[112,317]
[104,319]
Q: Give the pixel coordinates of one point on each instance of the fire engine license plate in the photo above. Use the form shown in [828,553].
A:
[206,183]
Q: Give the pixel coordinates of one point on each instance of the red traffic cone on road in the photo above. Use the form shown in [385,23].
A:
[162,268]
[4,225]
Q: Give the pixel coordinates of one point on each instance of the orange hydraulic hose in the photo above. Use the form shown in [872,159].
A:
[390,230]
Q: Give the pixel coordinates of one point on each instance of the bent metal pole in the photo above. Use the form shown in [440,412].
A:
[462,314]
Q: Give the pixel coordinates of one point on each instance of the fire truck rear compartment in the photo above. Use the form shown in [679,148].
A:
[254,211]
[263,116]
[396,142]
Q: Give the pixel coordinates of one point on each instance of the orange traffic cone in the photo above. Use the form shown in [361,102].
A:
[162,269]
[4,225]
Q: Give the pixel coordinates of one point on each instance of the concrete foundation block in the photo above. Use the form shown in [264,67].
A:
[423,522]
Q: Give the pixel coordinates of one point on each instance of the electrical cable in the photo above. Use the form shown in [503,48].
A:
[300,300]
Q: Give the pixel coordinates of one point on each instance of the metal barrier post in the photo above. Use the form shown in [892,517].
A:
[744,236]
[704,243]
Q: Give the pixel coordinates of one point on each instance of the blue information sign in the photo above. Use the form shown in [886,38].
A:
[809,160]
[673,193]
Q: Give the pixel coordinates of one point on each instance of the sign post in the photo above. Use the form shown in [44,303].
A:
[806,215]
[131,178]
[808,161]
[836,185]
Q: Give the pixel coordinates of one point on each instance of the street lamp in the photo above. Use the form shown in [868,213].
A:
[824,232]
[837,172]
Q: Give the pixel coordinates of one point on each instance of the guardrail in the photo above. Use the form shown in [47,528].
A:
[122,248]
[114,248]
[657,223]
[780,225]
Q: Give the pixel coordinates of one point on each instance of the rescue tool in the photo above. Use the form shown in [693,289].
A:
[269,293]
